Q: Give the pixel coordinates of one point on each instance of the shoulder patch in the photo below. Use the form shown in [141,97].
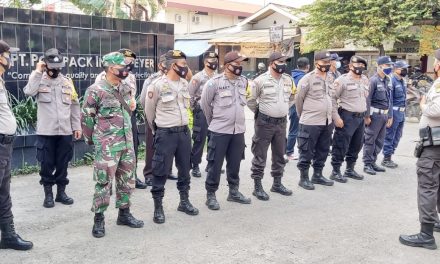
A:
[150,94]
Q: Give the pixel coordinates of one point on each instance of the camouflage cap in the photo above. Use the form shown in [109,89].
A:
[113,58]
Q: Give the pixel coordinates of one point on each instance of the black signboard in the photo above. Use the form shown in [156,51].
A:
[83,40]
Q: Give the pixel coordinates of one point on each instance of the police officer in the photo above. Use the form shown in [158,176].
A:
[428,167]
[8,126]
[350,92]
[58,117]
[200,127]
[148,171]
[379,114]
[167,103]
[130,58]
[335,65]
[106,124]
[223,101]
[314,108]
[272,94]
[394,132]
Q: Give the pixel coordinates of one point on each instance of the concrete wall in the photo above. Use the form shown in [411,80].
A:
[268,21]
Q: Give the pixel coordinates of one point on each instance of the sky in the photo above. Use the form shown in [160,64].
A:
[293,3]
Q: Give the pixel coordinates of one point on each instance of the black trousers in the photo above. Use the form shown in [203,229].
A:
[54,154]
[314,145]
[268,134]
[135,131]
[200,132]
[428,191]
[221,146]
[169,144]
[348,140]
[149,151]
[5,183]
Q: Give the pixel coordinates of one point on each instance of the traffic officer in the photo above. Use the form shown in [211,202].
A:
[379,114]
[58,116]
[272,94]
[106,123]
[130,58]
[428,167]
[200,127]
[223,101]
[350,93]
[8,126]
[335,65]
[314,108]
[167,103]
[394,133]
[148,171]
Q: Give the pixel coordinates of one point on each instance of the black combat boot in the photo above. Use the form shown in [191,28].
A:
[48,197]
[62,196]
[159,216]
[377,168]
[423,239]
[211,201]
[351,173]
[126,218]
[278,187]
[337,176]
[196,171]
[98,230]
[305,181]
[387,162]
[140,185]
[259,191]
[12,240]
[237,196]
[186,206]
[172,177]
[368,169]
[148,182]
[437,227]
[318,178]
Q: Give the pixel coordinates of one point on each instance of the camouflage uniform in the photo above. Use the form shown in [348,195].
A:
[107,125]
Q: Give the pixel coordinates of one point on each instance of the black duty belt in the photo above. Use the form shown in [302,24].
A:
[355,114]
[177,129]
[272,120]
[6,139]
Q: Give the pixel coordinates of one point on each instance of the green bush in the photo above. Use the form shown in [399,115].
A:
[25,112]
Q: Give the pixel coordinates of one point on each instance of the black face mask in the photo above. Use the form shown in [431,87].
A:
[53,73]
[323,68]
[181,71]
[403,72]
[212,65]
[358,70]
[130,67]
[236,70]
[7,65]
[279,68]
[121,72]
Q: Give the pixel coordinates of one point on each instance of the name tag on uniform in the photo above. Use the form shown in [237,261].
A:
[167,98]
[225,93]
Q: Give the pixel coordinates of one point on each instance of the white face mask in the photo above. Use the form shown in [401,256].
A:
[338,64]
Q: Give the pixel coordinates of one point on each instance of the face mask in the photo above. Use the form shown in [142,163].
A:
[403,72]
[7,65]
[121,72]
[236,70]
[279,68]
[358,70]
[387,71]
[212,65]
[338,64]
[53,73]
[130,67]
[323,68]
[181,71]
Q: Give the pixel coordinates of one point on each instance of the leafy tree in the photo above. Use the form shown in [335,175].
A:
[20,3]
[115,8]
[332,23]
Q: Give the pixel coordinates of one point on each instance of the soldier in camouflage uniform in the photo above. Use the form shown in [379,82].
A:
[106,124]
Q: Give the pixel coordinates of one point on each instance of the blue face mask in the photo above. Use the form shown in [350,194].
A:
[338,64]
[387,71]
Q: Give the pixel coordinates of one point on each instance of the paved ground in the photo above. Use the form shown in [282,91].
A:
[357,222]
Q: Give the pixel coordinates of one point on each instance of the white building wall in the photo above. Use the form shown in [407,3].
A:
[268,21]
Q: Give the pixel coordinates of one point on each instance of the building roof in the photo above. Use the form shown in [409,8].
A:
[216,6]
[267,11]
[250,36]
